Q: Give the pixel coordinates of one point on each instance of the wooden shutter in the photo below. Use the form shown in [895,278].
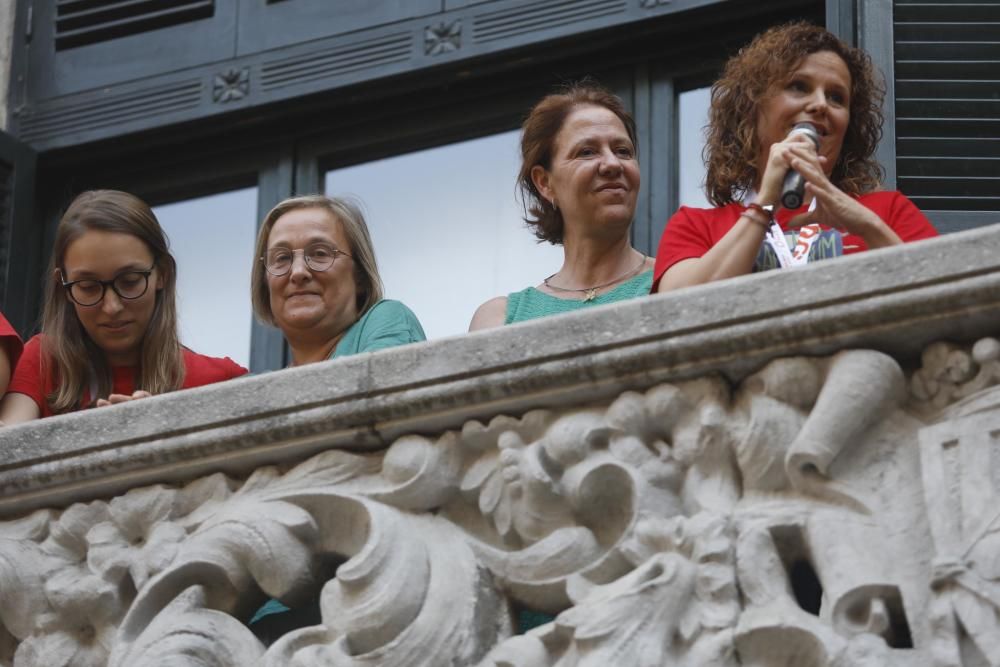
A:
[80,22]
[947,77]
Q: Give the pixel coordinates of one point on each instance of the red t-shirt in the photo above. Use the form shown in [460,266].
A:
[199,370]
[691,232]
[10,342]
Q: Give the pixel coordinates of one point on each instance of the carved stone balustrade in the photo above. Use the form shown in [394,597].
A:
[800,468]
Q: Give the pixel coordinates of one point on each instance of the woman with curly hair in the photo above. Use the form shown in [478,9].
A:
[802,77]
[579,182]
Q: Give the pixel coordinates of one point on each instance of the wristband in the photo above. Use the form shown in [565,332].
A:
[766,211]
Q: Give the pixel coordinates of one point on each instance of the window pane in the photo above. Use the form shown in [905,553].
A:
[693,119]
[447,228]
[212,240]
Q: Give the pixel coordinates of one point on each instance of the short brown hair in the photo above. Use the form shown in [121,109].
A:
[733,147]
[349,215]
[538,140]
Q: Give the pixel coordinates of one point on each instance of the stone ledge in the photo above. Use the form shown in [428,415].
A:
[895,300]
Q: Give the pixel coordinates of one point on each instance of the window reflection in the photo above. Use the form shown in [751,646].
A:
[447,228]
[212,239]
[693,112]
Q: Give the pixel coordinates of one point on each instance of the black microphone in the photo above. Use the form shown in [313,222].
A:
[793,188]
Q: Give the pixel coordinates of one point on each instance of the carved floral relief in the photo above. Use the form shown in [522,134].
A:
[826,512]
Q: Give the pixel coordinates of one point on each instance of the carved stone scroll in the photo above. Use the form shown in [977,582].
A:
[691,523]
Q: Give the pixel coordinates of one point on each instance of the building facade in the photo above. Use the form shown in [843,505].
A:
[699,478]
[215,110]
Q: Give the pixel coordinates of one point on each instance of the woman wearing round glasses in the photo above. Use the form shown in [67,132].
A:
[109,328]
[316,280]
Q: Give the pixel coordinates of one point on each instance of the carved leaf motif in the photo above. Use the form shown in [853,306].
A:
[329,469]
[477,437]
[245,538]
[478,474]
[34,527]
[267,539]
[422,473]
[185,634]
[413,595]
[649,616]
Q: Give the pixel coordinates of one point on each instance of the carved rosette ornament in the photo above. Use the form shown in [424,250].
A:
[824,512]
[444,37]
[230,85]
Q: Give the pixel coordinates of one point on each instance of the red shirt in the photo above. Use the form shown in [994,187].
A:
[199,370]
[10,342]
[691,232]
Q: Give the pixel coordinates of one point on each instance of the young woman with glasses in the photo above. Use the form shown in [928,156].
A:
[109,328]
[316,279]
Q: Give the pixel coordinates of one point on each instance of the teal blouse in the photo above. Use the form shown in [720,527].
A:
[386,324]
[529,304]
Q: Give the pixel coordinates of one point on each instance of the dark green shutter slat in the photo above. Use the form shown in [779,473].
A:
[947,70]
[922,148]
[946,12]
[84,22]
[945,50]
[907,89]
[947,98]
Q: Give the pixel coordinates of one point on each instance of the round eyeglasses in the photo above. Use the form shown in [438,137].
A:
[127,285]
[317,256]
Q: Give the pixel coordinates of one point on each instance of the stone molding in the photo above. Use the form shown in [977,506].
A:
[798,468]
[825,511]
[896,300]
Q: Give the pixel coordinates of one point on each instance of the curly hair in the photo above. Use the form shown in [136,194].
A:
[538,141]
[732,147]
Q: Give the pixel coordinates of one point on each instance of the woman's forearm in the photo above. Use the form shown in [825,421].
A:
[732,256]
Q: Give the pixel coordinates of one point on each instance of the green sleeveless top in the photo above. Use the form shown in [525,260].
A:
[529,304]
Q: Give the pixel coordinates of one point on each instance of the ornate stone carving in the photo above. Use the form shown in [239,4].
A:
[950,373]
[443,37]
[230,85]
[815,514]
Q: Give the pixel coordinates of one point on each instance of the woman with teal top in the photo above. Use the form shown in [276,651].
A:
[316,279]
[579,182]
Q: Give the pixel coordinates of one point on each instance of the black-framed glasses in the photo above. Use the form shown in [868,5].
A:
[318,257]
[127,285]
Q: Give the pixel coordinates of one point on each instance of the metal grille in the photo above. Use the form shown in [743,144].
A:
[948,103]
[81,22]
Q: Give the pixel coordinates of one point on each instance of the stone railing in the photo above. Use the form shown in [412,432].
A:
[799,468]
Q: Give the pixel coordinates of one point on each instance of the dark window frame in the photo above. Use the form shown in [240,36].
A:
[289,154]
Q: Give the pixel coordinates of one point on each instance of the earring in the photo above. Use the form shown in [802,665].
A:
[555,204]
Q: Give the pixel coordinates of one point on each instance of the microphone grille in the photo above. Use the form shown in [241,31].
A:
[807,129]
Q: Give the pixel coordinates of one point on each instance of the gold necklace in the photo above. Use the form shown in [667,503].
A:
[591,292]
